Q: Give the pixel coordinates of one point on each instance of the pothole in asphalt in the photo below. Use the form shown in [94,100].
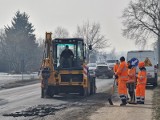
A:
[40,110]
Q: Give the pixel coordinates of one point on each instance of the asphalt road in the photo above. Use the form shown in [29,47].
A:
[21,98]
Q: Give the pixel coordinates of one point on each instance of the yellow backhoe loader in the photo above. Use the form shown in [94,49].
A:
[59,77]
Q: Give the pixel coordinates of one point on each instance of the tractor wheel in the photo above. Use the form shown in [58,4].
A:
[93,87]
[81,92]
[50,91]
[42,93]
[84,92]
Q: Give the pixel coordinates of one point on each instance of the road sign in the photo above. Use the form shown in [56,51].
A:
[147,62]
[134,62]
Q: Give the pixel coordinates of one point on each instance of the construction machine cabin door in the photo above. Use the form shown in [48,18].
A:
[75,46]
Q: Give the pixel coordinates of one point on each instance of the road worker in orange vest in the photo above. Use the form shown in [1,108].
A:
[131,81]
[115,68]
[122,73]
[141,83]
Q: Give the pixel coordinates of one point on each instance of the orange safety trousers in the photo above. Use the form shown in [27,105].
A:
[115,68]
[122,73]
[140,90]
[141,86]
[122,88]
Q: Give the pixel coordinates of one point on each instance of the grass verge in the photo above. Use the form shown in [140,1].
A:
[156,103]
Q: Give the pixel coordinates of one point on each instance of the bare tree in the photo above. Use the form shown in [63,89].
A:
[141,20]
[113,53]
[105,56]
[92,36]
[61,33]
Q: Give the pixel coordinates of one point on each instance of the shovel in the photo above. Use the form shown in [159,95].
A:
[112,92]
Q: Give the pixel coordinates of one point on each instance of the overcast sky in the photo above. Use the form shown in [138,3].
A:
[46,15]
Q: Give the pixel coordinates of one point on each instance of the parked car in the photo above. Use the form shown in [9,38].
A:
[111,63]
[103,71]
[91,68]
[149,57]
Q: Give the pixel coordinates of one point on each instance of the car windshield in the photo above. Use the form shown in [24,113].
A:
[91,65]
[101,63]
[77,50]
[111,61]
[102,67]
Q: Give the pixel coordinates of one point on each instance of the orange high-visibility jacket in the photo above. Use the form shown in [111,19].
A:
[122,71]
[142,77]
[132,74]
[115,68]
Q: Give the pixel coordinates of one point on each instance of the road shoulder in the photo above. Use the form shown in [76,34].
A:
[129,112]
[156,103]
[18,83]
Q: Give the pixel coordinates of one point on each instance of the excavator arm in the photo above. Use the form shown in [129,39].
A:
[46,65]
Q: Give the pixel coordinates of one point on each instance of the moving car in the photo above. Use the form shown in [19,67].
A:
[111,63]
[91,68]
[149,57]
[103,71]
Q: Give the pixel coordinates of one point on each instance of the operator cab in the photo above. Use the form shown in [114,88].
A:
[76,45]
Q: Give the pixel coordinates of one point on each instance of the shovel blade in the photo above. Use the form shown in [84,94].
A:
[110,101]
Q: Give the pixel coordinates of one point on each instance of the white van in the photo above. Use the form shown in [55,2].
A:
[149,57]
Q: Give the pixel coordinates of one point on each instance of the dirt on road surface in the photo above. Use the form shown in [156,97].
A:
[97,108]
[128,112]
[17,103]
[79,110]
[76,107]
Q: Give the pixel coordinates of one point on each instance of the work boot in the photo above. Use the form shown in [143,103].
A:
[130,94]
[138,102]
[124,102]
[141,102]
[127,98]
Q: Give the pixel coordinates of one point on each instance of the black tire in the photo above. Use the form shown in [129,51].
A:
[155,84]
[81,92]
[84,92]
[93,87]
[42,93]
[50,91]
